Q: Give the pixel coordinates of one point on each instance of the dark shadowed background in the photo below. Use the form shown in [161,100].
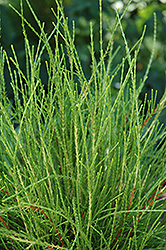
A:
[139,13]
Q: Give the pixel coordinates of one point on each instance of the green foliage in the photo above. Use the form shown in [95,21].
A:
[81,169]
[138,14]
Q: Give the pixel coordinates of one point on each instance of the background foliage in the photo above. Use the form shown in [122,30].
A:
[140,13]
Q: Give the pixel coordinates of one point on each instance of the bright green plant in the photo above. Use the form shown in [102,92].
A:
[79,169]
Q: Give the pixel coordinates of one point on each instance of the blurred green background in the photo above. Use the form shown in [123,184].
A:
[139,13]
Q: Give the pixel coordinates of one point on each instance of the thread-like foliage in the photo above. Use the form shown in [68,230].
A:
[80,167]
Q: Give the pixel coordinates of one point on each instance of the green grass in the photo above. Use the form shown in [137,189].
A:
[80,169]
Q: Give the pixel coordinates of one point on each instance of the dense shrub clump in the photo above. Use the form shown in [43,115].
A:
[81,168]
